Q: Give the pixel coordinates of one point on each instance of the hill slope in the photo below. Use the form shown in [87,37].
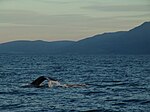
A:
[135,41]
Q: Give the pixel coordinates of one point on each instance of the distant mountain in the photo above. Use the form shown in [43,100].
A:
[134,41]
[34,47]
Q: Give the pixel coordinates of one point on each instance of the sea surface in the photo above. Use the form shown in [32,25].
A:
[114,83]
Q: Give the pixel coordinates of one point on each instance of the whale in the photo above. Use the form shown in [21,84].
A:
[51,82]
[37,82]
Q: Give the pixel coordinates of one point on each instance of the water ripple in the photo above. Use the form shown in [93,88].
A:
[114,83]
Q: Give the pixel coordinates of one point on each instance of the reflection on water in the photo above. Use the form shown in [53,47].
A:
[115,83]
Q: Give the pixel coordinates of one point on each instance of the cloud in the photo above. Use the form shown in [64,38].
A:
[22,17]
[54,1]
[119,8]
[66,19]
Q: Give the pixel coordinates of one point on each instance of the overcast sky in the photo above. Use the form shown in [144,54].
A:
[68,19]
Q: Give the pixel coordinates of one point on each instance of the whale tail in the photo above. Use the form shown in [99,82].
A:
[38,81]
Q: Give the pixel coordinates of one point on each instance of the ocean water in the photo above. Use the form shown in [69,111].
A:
[114,83]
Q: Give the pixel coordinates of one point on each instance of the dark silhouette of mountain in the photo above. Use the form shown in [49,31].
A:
[134,41]
[34,47]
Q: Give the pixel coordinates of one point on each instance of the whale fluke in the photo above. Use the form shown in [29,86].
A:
[38,81]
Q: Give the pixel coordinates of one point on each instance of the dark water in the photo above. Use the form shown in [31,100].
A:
[115,83]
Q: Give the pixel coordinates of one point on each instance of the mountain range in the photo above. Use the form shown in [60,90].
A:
[134,41]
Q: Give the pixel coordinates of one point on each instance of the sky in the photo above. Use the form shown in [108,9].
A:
[53,20]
